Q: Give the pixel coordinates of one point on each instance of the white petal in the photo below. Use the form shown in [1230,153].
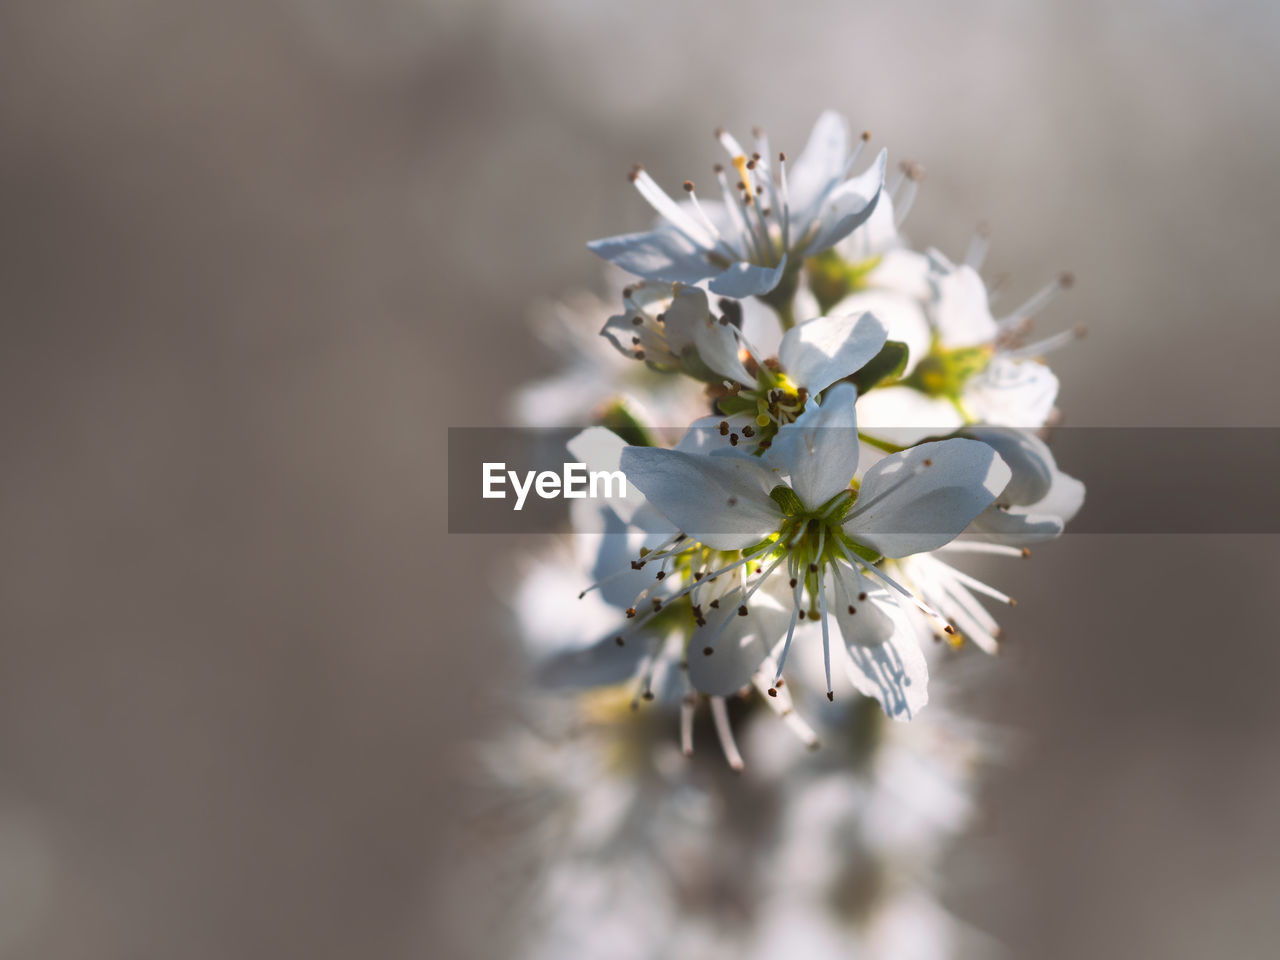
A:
[904,415]
[1016,528]
[1028,458]
[601,450]
[703,435]
[960,310]
[819,450]
[760,326]
[817,353]
[599,664]
[924,497]
[902,271]
[1064,499]
[1012,393]
[903,318]
[718,347]
[820,164]
[871,621]
[848,207]
[720,501]
[681,317]
[661,254]
[740,647]
[894,672]
[747,280]
[876,237]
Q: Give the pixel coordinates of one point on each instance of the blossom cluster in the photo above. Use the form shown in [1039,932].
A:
[819,424]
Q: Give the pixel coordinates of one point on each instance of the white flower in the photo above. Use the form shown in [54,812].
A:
[747,242]
[1035,505]
[965,365]
[735,512]
[590,380]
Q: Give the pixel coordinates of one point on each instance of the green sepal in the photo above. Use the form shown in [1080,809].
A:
[943,373]
[787,499]
[622,421]
[832,278]
[885,366]
[733,405]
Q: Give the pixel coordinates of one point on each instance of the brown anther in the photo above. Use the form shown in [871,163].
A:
[862,596]
[793,583]
[724,428]
[717,167]
[742,610]
[742,185]
[1067,280]
[782,158]
[831,696]
[698,576]
[1026,551]
[780,682]
[733,439]
[637,321]
[748,431]
[631,612]
[688,186]
[662,574]
[627,292]
[619,641]
[639,354]
[813,568]
[733,501]
[928,462]
[801,614]
[852,609]
[718,132]
[773,691]
[756,156]
[657,604]
[635,341]
[1013,602]
[715,604]
[707,651]
[751,164]
[866,135]
[647,695]
[948,628]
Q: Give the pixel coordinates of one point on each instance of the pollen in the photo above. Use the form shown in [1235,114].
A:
[740,164]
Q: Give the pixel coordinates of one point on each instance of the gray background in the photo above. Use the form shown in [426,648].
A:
[256,256]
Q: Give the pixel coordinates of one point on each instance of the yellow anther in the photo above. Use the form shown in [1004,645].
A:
[762,419]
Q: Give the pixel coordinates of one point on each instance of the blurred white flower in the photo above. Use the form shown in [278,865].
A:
[764,227]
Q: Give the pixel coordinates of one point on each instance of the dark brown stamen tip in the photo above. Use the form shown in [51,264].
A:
[831,696]
[949,629]
[688,186]
[647,695]
[742,610]
[773,692]
[707,651]
[862,596]
[852,609]
[619,641]
[1067,280]
[866,135]
[1026,551]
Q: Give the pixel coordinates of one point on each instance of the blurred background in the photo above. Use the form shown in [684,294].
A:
[257,256]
